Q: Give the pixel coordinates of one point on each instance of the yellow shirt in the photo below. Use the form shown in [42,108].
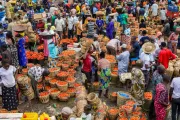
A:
[78,10]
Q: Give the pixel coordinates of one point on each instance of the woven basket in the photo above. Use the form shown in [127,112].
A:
[71,83]
[63,99]
[31,96]
[113,65]
[113,98]
[54,94]
[113,116]
[53,85]
[72,94]
[29,65]
[137,118]
[122,97]
[63,88]
[146,105]
[68,62]
[96,86]
[114,78]
[47,79]
[63,78]
[92,98]
[44,99]
[122,114]
[54,73]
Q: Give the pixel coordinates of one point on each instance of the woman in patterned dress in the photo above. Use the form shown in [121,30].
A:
[13,49]
[161,98]
[138,81]
[104,67]
[7,82]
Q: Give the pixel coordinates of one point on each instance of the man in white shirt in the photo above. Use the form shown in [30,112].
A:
[147,58]
[52,9]
[70,26]
[163,15]
[154,9]
[175,95]
[113,46]
[59,23]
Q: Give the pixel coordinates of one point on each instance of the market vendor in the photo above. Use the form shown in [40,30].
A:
[48,38]
[113,46]
[36,73]
[138,81]
[123,60]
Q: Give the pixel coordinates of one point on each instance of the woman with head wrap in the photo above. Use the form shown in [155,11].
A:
[138,85]
[65,114]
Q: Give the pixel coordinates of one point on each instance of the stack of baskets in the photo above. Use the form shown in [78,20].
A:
[24,83]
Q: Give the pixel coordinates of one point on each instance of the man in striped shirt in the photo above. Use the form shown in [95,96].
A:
[90,28]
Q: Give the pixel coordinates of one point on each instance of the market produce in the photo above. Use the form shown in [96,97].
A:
[63,96]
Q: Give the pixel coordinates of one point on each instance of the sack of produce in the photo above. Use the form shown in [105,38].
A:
[81,93]
[176,71]
[80,107]
[101,112]
[170,71]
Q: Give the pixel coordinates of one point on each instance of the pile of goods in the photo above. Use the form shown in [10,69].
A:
[173,68]
[81,102]
[128,109]
[147,101]
[24,83]
[35,57]
[61,82]
[86,44]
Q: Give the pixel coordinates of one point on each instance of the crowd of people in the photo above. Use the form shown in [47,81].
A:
[61,20]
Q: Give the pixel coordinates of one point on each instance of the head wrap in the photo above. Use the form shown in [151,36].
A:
[67,111]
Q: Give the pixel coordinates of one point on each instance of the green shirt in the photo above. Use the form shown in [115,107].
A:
[124,19]
[53,20]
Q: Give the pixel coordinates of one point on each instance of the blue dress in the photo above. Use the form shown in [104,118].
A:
[110,30]
[22,52]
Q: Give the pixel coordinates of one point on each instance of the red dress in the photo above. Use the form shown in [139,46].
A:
[161,98]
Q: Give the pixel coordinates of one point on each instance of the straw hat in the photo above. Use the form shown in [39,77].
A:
[177,20]
[148,47]
[20,28]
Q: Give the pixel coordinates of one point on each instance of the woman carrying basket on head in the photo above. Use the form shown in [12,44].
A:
[104,67]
